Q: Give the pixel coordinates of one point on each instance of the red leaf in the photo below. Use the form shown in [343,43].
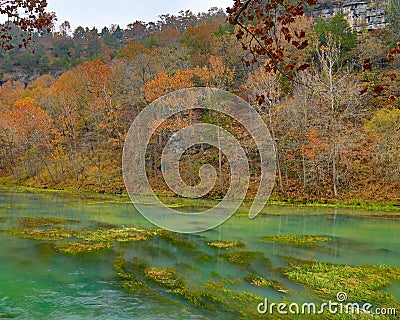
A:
[260,99]
[303,67]
[378,89]
[289,67]
[367,64]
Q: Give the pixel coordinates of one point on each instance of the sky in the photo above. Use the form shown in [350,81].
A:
[100,13]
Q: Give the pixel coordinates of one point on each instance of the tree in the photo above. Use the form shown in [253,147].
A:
[385,131]
[34,17]
[25,132]
[65,29]
[336,93]
[268,87]
[263,28]
[392,16]
[339,29]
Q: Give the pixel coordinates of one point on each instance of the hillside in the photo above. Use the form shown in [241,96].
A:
[65,110]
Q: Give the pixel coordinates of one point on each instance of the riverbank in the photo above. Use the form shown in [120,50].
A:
[360,204]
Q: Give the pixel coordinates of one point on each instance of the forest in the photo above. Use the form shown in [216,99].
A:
[69,98]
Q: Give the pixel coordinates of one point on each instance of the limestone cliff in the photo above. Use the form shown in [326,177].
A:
[361,14]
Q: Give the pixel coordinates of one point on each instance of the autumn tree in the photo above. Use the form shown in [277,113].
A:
[28,15]
[384,129]
[25,133]
[264,28]
[65,105]
[200,40]
[392,14]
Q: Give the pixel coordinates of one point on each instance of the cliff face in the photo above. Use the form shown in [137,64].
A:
[361,14]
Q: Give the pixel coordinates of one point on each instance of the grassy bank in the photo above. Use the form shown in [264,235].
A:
[374,207]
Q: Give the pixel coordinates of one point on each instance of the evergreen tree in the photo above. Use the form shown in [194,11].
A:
[340,30]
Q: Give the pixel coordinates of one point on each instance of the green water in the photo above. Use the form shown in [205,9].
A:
[38,283]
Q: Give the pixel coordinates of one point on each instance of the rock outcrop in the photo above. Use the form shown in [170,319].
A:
[361,14]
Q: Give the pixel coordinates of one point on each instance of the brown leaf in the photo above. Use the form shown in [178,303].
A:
[378,89]
[303,67]
[367,64]
[289,67]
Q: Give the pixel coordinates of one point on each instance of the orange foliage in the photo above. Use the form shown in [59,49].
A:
[26,120]
[131,51]
[168,36]
[217,74]
[315,145]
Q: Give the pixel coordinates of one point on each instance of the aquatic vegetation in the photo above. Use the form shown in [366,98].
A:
[75,241]
[240,257]
[246,258]
[201,256]
[175,239]
[58,233]
[82,247]
[115,234]
[3,218]
[181,265]
[258,281]
[34,222]
[242,305]
[212,297]
[96,213]
[225,244]
[126,279]
[165,278]
[361,283]
[291,239]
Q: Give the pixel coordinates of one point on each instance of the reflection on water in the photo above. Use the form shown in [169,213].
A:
[38,283]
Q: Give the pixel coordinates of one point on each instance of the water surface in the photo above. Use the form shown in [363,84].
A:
[38,283]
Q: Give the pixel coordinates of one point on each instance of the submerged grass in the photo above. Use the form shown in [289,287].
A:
[296,240]
[361,283]
[115,234]
[225,244]
[213,297]
[245,259]
[258,281]
[33,222]
[55,234]
[71,241]
[165,278]
[82,247]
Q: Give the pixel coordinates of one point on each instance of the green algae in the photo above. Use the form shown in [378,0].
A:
[360,283]
[69,241]
[115,234]
[55,234]
[225,244]
[175,239]
[296,240]
[127,279]
[165,278]
[82,247]
[212,297]
[258,281]
[35,222]
[246,258]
